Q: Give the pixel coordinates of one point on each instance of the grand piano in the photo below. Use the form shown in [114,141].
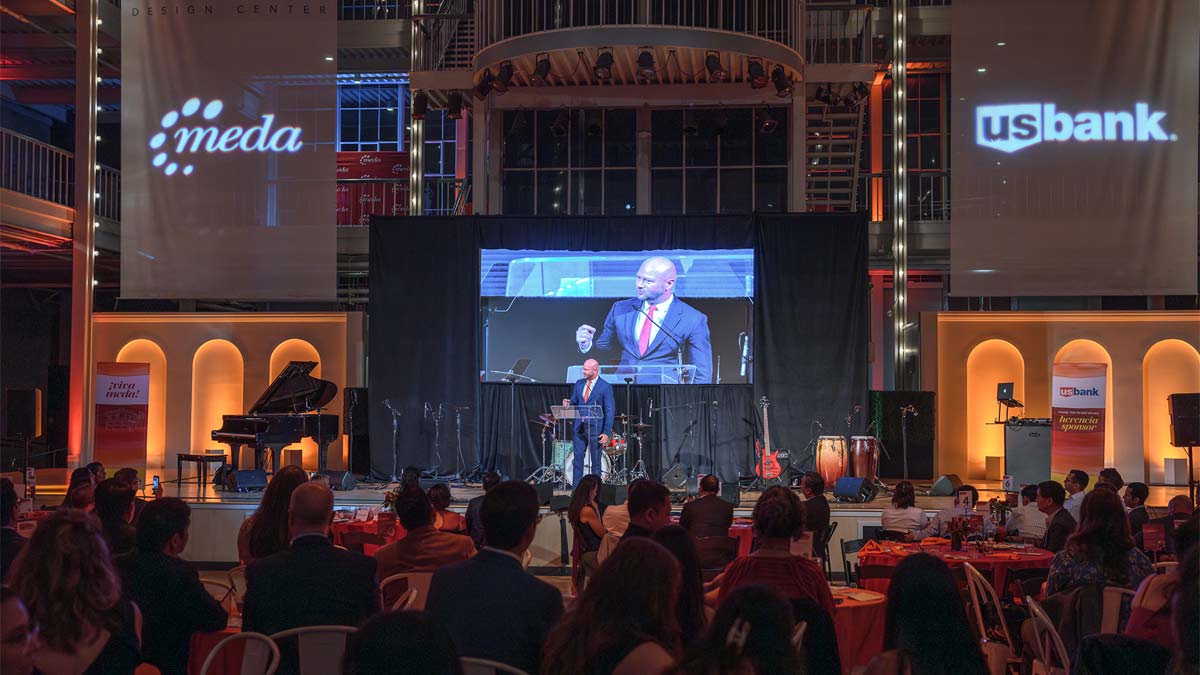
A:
[287,412]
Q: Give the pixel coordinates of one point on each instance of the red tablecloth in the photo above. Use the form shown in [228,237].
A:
[997,561]
[858,623]
[229,661]
[340,528]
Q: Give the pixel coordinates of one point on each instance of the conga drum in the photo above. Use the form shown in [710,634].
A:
[864,457]
[831,458]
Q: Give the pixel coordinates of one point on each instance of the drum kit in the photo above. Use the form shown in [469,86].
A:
[559,462]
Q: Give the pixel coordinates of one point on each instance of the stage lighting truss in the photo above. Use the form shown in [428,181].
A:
[783,84]
[758,74]
[602,69]
[645,66]
[716,71]
[541,71]
[484,87]
[454,105]
[420,104]
[504,78]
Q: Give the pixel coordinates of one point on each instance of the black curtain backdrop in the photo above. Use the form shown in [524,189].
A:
[425,339]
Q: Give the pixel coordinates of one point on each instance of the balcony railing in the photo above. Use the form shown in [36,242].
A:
[928,192]
[838,33]
[446,196]
[374,10]
[31,167]
[777,20]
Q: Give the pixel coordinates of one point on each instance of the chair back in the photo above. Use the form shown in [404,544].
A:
[998,654]
[260,655]
[406,601]
[393,587]
[818,648]
[798,636]
[365,543]
[320,649]
[607,544]
[821,548]
[222,591]
[850,548]
[237,581]
[473,666]
[1115,600]
[1047,644]
[716,552]
[1164,567]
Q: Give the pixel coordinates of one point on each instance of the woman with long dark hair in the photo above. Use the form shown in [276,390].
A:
[624,621]
[584,515]
[926,631]
[443,518]
[903,516]
[751,633]
[266,532]
[79,478]
[690,610]
[1101,551]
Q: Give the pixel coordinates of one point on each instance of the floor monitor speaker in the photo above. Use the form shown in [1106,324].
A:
[611,495]
[545,491]
[249,480]
[340,480]
[946,486]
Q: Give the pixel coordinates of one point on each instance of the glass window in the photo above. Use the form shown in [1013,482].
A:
[700,190]
[737,191]
[620,138]
[552,192]
[518,193]
[666,134]
[620,192]
[770,193]
[588,192]
[518,140]
[371,115]
[553,128]
[666,191]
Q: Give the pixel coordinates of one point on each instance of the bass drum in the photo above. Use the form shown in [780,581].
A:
[569,467]
[831,459]
[864,457]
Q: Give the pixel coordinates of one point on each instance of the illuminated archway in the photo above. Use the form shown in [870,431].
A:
[217,376]
[147,351]
[990,363]
[296,349]
[1169,367]
[1090,351]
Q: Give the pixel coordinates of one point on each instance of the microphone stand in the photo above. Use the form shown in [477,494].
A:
[387,402]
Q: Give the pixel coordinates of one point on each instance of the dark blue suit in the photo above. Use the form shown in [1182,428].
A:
[587,432]
[682,321]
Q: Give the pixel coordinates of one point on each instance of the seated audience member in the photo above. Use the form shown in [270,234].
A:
[690,610]
[492,607]
[778,519]
[649,509]
[926,631]
[443,518]
[67,581]
[114,508]
[1113,478]
[166,588]
[965,499]
[11,541]
[311,582]
[1150,610]
[424,548]
[82,497]
[265,532]
[1060,524]
[1101,551]
[130,477]
[584,515]
[816,507]
[624,622]
[18,637]
[1027,520]
[1075,483]
[98,471]
[1185,615]
[1135,498]
[80,476]
[474,525]
[422,644]
[409,477]
[750,633]
[903,515]
[616,516]
[707,515]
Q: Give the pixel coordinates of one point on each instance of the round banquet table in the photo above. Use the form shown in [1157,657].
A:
[228,662]
[858,620]
[998,561]
[339,528]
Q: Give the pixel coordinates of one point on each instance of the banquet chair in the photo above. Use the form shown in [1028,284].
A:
[260,655]
[821,548]
[850,548]
[320,648]
[1165,567]
[406,601]
[798,636]
[1116,599]
[998,654]
[391,588]
[819,648]
[474,666]
[607,544]
[1048,645]
[716,552]
[237,581]
[223,592]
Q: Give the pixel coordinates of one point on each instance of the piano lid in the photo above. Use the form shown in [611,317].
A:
[294,391]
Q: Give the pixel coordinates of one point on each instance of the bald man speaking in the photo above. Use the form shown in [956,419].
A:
[592,433]
[652,328]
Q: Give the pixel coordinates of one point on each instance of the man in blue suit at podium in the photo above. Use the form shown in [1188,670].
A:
[591,434]
[652,329]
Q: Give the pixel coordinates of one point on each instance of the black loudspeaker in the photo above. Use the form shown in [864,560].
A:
[560,502]
[249,480]
[885,425]
[612,495]
[1027,452]
[857,490]
[946,486]
[730,492]
[340,480]
[22,412]
[354,416]
[1185,420]
[544,492]
[675,478]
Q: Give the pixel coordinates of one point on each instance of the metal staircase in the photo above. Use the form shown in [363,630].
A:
[834,145]
[460,53]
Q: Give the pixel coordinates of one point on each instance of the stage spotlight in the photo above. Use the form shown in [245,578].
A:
[822,95]
[541,71]
[558,128]
[857,95]
[769,124]
[503,77]
[420,104]
[645,65]
[783,86]
[758,76]
[485,85]
[454,105]
[603,68]
[716,72]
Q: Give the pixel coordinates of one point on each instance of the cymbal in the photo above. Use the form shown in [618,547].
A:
[541,422]
[624,417]
[547,418]
[642,425]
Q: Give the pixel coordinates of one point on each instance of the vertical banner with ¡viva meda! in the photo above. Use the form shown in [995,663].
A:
[122,401]
[1077,412]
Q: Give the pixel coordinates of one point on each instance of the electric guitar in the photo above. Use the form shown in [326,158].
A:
[767,467]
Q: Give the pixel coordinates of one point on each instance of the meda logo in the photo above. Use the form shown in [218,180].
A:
[207,137]
[1068,392]
[1009,128]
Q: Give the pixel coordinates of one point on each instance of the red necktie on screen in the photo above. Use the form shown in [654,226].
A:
[587,391]
[644,338]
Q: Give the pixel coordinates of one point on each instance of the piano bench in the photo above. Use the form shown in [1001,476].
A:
[202,462]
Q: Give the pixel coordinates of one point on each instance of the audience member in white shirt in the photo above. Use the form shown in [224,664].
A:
[1075,483]
[1027,520]
[903,515]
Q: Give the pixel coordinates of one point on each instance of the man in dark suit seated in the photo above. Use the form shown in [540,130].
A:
[816,506]
[424,548]
[1135,498]
[649,509]
[310,583]
[652,329]
[11,542]
[707,515]
[493,608]
[474,523]
[167,589]
[593,427]
[1060,525]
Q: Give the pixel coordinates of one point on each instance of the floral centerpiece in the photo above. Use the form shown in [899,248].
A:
[999,511]
[959,528]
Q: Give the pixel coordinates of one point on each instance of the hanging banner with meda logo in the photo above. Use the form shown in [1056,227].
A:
[228,150]
[371,184]
[122,403]
[1077,414]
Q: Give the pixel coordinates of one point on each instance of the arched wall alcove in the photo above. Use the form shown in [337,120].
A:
[147,351]
[217,378]
[1169,367]
[1090,351]
[989,363]
[296,349]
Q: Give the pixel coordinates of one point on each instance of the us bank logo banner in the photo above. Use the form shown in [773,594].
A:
[228,151]
[1073,147]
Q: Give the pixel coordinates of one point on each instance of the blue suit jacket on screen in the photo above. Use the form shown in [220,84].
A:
[683,321]
[602,395]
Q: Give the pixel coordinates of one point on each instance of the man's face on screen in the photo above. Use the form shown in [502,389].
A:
[655,279]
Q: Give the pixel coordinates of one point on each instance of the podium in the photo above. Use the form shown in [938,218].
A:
[674,373]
